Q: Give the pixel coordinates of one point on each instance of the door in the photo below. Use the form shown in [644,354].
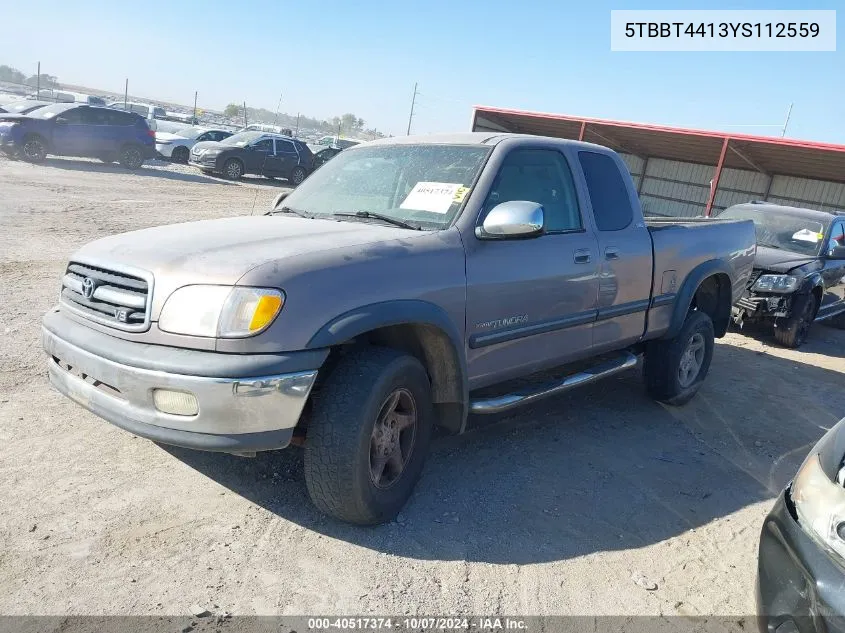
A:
[69,132]
[258,155]
[531,303]
[625,253]
[99,136]
[285,158]
[833,273]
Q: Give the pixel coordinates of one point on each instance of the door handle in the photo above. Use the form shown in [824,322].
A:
[582,256]
[611,252]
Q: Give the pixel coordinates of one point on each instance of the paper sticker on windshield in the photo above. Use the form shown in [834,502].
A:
[435,197]
[460,194]
[806,235]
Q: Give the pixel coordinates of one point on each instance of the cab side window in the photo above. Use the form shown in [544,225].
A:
[837,235]
[542,176]
[608,194]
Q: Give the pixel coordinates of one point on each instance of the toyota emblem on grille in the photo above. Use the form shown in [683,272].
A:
[88,287]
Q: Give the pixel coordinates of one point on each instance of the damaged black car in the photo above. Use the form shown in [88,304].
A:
[799,270]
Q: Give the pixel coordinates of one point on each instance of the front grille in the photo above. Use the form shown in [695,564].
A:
[110,297]
[755,275]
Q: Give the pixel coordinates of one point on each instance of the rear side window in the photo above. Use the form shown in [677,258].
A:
[608,193]
[116,117]
[284,147]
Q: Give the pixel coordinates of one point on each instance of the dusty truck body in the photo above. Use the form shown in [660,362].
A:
[405,284]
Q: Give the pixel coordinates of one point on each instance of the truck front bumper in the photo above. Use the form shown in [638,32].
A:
[240,413]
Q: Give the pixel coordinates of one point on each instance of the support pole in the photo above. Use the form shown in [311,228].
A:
[246,122]
[717,174]
[642,176]
[194,118]
[583,129]
[38,82]
[126,94]
[296,134]
[786,123]
[413,103]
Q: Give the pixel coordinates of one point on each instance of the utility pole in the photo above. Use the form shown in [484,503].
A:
[126,94]
[38,82]
[246,123]
[194,118]
[413,103]
[278,105]
[788,112]
[296,134]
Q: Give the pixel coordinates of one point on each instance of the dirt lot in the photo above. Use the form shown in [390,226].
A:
[548,511]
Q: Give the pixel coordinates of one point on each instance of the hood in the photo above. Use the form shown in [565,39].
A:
[780,261]
[222,251]
[214,145]
[168,136]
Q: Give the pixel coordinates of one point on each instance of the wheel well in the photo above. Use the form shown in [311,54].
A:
[434,349]
[819,293]
[713,298]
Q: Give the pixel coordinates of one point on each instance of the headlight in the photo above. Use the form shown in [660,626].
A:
[820,504]
[210,152]
[775,283]
[220,311]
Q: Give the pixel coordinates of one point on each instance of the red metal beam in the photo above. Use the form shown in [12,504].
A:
[664,128]
[717,174]
[583,129]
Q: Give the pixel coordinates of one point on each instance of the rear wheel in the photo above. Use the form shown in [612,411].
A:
[131,157]
[675,368]
[368,436]
[297,176]
[233,169]
[179,154]
[793,331]
[34,149]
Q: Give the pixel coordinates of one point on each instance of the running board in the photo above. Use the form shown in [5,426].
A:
[525,396]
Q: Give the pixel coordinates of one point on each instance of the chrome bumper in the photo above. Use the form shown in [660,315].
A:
[231,410]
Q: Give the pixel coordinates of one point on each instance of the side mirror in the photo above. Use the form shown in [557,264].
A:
[512,220]
[837,252]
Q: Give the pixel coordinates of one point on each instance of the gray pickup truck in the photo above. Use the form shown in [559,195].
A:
[406,284]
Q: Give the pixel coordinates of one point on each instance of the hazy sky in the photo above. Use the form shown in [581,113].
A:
[329,57]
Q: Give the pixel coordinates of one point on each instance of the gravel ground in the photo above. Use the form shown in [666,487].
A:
[558,509]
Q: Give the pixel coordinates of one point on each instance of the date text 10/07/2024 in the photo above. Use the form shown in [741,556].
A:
[418,624]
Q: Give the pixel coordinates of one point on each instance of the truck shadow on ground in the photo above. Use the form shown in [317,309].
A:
[598,469]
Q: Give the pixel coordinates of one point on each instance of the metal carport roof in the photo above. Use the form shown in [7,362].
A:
[769,155]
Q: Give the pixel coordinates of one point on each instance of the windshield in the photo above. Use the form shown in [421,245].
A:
[242,138]
[48,112]
[785,231]
[422,184]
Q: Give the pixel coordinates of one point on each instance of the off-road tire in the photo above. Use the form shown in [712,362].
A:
[233,169]
[662,362]
[792,332]
[34,149]
[339,434]
[297,175]
[131,157]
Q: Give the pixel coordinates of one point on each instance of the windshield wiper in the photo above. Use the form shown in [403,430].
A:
[299,212]
[377,216]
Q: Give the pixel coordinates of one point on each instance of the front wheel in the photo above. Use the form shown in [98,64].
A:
[368,436]
[233,169]
[179,155]
[675,368]
[297,176]
[793,331]
[131,157]
[34,149]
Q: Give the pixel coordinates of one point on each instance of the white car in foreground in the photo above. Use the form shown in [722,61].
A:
[177,145]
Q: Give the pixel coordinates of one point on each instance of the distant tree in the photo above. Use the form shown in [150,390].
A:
[359,124]
[12,75]
[232,110]
[46,81]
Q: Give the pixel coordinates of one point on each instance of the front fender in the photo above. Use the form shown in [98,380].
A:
[374,316]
